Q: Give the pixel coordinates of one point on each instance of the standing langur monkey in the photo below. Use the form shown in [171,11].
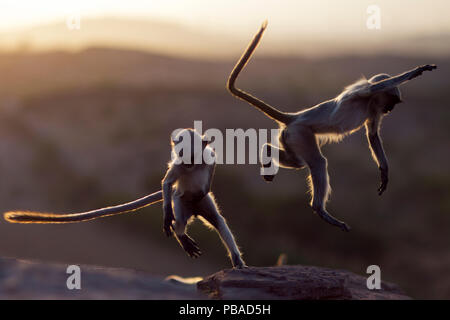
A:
[186,192]
[363,103]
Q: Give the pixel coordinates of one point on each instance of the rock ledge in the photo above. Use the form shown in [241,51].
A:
[37,280]
[293,283]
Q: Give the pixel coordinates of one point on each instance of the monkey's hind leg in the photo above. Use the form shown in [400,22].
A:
[284,160]
[321,189]
[308,149]
[211,216]
[182,215]
[189,245]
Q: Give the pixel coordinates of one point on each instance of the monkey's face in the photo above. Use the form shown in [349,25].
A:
[391,98]
[188,145]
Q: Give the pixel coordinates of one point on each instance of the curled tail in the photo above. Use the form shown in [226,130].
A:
[270,111]
[40,217]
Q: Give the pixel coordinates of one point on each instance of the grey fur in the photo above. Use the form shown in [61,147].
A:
[187,193]
[363,103]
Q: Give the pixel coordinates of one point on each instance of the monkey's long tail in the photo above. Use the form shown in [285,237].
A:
[40,217]
[267,109]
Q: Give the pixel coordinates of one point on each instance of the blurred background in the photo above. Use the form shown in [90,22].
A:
[86,110]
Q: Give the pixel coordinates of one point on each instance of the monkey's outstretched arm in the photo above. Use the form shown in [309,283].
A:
[40,217]
[267,109]
[170,178]
[389,83]
[378,154]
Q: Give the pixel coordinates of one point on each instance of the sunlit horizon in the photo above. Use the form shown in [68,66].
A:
[298,27]
[314,16]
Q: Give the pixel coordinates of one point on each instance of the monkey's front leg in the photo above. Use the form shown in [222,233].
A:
[419,70]
[391,82]
[380,157]
[384,180]
[170,178]
[168,217]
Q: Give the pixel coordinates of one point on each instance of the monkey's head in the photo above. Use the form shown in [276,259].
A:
[386,100]
[188,141]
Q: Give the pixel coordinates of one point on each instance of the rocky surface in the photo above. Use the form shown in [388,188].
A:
[293,283]
[33,280]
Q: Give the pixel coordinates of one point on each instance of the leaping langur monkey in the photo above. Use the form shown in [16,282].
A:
[301,134]
[186,193]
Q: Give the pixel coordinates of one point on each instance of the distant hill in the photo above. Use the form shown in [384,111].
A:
[188,41]
[149,35]
[54,71]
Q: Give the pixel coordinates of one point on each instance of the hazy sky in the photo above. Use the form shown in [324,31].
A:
[326,18]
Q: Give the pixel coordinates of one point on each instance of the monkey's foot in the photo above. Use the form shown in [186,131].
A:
[331,220]
[342,225]
[240,265]
[345,227]
[189,246]
[268,178]
[237,261]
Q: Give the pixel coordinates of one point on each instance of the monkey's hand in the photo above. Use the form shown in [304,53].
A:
[419,70]
[384,180]
[168,219]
